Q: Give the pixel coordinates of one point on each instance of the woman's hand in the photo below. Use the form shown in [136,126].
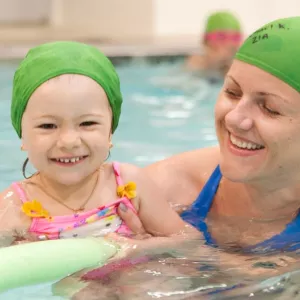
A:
[131,247]
[132,221]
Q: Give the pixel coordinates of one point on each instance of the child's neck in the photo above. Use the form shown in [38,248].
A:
[74,197]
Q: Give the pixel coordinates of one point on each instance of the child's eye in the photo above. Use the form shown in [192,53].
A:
[88,123]
[47,126]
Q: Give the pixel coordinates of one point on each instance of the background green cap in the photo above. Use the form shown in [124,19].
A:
[222,21]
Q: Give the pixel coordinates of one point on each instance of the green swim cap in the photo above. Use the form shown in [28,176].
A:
[49,60]
[275,48]
[222,21]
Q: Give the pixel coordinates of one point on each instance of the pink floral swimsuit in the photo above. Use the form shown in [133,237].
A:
[96,222]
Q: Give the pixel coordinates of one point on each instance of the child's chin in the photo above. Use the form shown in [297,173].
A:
[70,179]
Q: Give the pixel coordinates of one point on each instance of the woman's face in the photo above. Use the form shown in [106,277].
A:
[258,127]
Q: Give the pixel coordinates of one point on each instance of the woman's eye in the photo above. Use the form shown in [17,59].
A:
[270,111]
[232,93]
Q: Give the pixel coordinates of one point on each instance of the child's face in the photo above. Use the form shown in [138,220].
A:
[67,118]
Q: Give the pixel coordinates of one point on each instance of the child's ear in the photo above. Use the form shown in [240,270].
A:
[23,147]
[110,142]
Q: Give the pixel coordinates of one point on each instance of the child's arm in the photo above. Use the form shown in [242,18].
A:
[13,223]
[155,212]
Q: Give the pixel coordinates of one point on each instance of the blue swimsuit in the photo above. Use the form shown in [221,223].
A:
[287,240]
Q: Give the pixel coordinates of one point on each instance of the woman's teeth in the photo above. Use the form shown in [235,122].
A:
[69,160]
[245,145]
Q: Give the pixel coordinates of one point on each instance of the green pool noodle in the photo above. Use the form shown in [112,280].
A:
[46,261]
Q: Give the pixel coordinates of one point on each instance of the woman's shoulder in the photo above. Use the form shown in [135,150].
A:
[197,162]
[183,175]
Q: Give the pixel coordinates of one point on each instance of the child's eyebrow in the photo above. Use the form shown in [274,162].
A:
[92,115]
[97,115]
[44,116]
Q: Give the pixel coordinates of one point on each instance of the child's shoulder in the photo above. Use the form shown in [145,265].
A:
[11,195]
[10,209]
[128,172]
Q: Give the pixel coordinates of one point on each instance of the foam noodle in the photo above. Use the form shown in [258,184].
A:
[39,262]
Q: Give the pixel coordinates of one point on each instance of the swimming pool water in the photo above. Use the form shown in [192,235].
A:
[165,112]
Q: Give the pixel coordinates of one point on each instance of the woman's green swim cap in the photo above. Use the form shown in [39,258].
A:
[275,48]
[49,60]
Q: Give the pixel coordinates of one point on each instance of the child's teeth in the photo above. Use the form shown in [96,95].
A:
[69,160]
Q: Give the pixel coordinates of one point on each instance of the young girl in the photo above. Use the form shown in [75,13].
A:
[66,105]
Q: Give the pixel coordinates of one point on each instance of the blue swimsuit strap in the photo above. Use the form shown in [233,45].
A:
[287,240]
[197,212]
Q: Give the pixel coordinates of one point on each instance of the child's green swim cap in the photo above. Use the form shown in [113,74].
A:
[222,21]
[49,60]
[275,48]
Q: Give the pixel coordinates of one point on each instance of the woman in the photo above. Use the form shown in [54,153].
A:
[245,192]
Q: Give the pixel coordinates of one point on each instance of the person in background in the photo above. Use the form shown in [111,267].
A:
[222,38]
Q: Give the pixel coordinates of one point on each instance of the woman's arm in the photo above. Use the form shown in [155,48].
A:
[193,247]
[155,212]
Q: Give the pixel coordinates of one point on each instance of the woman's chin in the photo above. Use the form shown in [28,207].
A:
[238,173]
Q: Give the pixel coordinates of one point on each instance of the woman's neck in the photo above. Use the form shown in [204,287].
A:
[260,201]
